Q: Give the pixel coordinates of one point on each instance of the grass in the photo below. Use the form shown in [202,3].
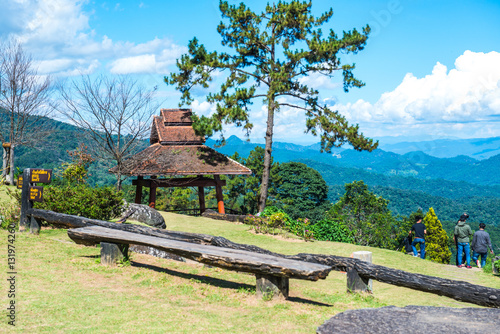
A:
[61,287]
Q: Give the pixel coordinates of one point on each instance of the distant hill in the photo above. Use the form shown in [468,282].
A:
[416,164]
[479,148]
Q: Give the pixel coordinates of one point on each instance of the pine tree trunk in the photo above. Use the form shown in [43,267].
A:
[267,155]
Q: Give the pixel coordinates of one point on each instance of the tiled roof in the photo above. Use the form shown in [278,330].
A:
[176,116]
[177,130]
[168,160]
[177,150]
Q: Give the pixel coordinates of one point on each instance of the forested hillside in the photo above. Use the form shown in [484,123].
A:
[416,164]
[410,181]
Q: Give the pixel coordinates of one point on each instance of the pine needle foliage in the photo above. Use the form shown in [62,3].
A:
[436,240]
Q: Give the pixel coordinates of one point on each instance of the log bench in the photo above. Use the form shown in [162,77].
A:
[272,272]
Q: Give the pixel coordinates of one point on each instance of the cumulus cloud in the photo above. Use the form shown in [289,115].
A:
[468,93]
[58,32]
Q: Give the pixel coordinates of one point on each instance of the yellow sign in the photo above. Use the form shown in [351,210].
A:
[41,175]
[36,194]
[20,182]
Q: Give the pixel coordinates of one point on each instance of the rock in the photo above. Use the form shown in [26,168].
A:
[144,214]
[414,319]
[223,216]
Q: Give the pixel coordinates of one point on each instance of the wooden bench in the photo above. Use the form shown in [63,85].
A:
[272,272]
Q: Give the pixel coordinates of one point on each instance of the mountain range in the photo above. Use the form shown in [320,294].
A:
[416,164]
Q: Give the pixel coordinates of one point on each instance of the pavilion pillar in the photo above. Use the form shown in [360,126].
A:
[201,196]
[218,194]
[138,190]
[152,193]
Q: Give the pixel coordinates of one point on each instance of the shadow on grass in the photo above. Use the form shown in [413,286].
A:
[203,279]
[307,301]
[91,256]
[218,282]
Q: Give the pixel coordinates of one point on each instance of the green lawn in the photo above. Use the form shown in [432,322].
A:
[61,287]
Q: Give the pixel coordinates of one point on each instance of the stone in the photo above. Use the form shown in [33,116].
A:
[223,216]
[143,214]
[414,319]
[355,283]
[112,254]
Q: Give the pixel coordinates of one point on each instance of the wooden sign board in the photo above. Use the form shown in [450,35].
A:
[36,194]
[20,182]
[41,175]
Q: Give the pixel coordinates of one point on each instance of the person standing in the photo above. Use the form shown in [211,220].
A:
[420,232]
[462,236]
[480,243]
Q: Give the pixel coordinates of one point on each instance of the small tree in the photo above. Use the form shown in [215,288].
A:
[115,112]
[301,191]
[24,102]
[76,171]
[268,56]
[245,189]
[436,241]
[366,215]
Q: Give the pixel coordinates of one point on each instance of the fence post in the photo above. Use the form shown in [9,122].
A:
[355,283]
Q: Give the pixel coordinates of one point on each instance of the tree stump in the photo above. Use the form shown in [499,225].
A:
[112,253]
[355,283]
[272,287]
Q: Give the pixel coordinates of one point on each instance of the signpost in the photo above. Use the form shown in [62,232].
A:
[41,175]
[36,194]
[20,182]
[31,193]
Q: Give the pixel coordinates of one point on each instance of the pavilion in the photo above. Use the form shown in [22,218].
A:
[177,157]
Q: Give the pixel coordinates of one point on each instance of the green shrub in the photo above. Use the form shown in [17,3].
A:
[9,216]
[497,265]
[332,230]
[301,227]
[81,200]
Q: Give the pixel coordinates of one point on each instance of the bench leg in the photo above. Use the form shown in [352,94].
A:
[355,283]
[112,253]
[271,287]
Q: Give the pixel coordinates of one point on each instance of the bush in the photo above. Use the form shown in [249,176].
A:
[101,203]
[332,230]
[9,216]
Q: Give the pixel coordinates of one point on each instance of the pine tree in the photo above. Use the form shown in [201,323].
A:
[436,243]
[266,57]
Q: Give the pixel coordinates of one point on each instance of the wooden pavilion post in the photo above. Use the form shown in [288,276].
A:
[152,192]
[138,190]
[201,197]
[218,194]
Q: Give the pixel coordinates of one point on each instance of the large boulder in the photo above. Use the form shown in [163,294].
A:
[143,214]
[414,319]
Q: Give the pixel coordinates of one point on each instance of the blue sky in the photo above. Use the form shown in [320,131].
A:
[431,68]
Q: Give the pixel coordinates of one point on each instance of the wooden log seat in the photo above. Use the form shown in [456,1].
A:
[272,272]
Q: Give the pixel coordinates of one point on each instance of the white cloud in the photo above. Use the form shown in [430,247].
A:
[467,94]
[58,33]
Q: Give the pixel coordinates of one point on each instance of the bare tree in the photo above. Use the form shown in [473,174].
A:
[115,112]
[24,101]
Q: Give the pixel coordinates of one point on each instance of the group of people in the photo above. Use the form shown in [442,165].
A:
[480,241]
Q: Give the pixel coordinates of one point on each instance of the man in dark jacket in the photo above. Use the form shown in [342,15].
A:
[462,236]
[480,243]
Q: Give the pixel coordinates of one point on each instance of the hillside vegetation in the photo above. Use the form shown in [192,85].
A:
[63,288]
